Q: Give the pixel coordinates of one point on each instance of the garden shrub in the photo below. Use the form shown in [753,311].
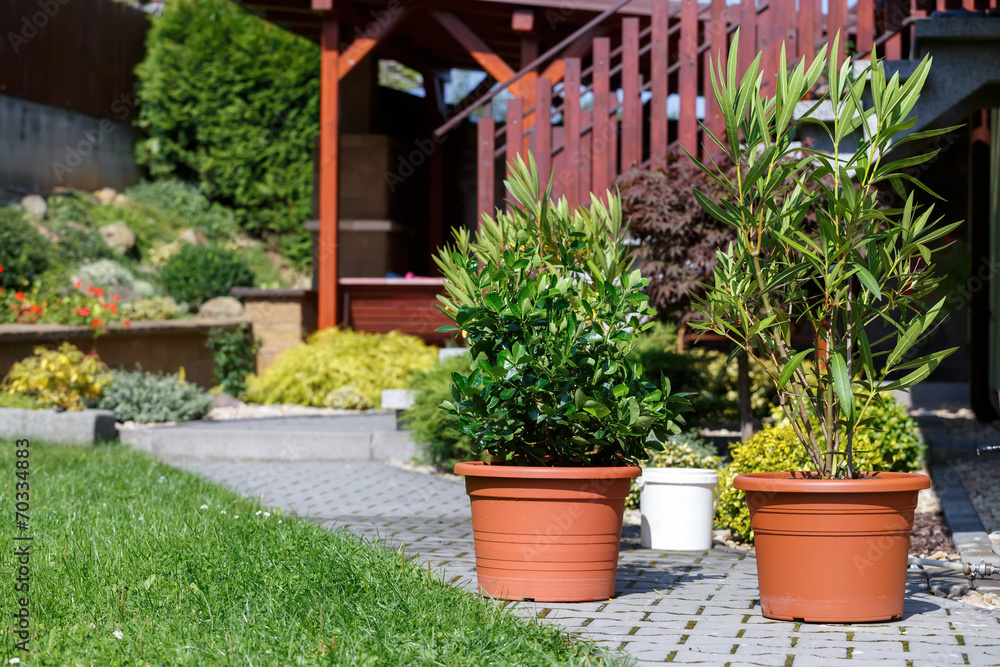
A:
[114,276]
[78,244]
[187,203]
[683,450]
[61,378]
[444,444]
[232,103]
[332,359]
[235,353]
[154,308]
[15,399]
[154,398]
[199,273]
[889,442]
[24,253]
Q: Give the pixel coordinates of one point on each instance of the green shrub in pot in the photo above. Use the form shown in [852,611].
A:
[551,310]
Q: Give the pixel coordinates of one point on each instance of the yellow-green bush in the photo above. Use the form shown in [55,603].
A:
[337,368]
[63,378]
[889,442]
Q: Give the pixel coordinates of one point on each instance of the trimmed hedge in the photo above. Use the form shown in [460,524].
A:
[232,102]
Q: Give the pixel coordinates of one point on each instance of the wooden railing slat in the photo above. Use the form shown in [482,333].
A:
[687,125]
[717,36]
[603,134]
[836,21]
[748,35]
[571,130]
[543,129]
[631,102]
[514,130]
[485,134]
[807,29]
[866,25]
[658,72]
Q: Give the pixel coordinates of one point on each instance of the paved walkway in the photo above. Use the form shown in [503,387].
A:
[669,606]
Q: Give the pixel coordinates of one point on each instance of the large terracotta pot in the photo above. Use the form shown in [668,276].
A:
[546,534]
[831,551]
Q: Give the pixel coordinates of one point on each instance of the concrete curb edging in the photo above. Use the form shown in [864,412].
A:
[236,444]
[81,427]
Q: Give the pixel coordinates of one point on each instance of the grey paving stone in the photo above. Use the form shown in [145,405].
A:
[690,608]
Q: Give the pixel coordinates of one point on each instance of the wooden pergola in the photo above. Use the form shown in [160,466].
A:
[499,37]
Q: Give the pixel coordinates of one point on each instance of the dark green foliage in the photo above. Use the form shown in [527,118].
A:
[232,102]
[199,273]
[152,398]
[678,238]
[235,357]
[69,208]
[78,245]
[433,427]
[547,297]
[23,251]
[188,203]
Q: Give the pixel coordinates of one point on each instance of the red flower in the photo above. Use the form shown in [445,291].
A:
[99,292]
[90,290]
[83,311]
[96,323]
[115,298]
[1,268]
[35,309]
[77,284]
[19,296]
[128,323]
[113,308]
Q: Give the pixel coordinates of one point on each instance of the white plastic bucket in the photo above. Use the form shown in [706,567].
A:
[677,507]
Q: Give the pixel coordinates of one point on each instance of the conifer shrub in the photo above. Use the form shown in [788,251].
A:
[199,273]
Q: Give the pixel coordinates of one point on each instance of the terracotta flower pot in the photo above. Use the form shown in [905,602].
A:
[832,551]
[546,534]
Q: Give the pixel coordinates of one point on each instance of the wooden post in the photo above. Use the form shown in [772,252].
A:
[571,131]
[836,21]
[719,28]
[329,129]
[631,103]
[658,71]
[514,135]
[484,184]
[543,130]
[687,119]
[866,26]
[603,130]
[807,30]
[748,35]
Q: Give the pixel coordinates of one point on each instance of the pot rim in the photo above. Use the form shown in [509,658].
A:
[782,482]
[488,469]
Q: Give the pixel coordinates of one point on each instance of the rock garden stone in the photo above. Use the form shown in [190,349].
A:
[221,306]
[35,205]
[118,236]
[105,195]
[193,236]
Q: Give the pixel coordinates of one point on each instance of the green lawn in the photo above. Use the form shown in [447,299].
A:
[137,563]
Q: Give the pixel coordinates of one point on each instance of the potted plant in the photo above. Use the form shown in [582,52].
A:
[683,476]
[550,310]
[832,541]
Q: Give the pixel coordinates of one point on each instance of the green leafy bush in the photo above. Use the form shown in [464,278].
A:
[199,273]
[890,442]
[24,253]
[683,450]
[155,308]
[547,299]
[61,378]
[310,373]
[153,398]
[188,203]
[78,244]
[15,399]
[444,444]
[235,357]
[69,208]
[115,276]
[232,103]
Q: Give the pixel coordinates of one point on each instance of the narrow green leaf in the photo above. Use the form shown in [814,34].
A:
[868,280]
[842,385]
[793,363]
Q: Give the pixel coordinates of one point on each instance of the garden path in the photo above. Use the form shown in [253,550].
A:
[682,607]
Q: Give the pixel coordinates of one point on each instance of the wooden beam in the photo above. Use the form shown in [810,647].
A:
[322,5]
[329,129]
[477,48]
[522,20]
[362,46]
